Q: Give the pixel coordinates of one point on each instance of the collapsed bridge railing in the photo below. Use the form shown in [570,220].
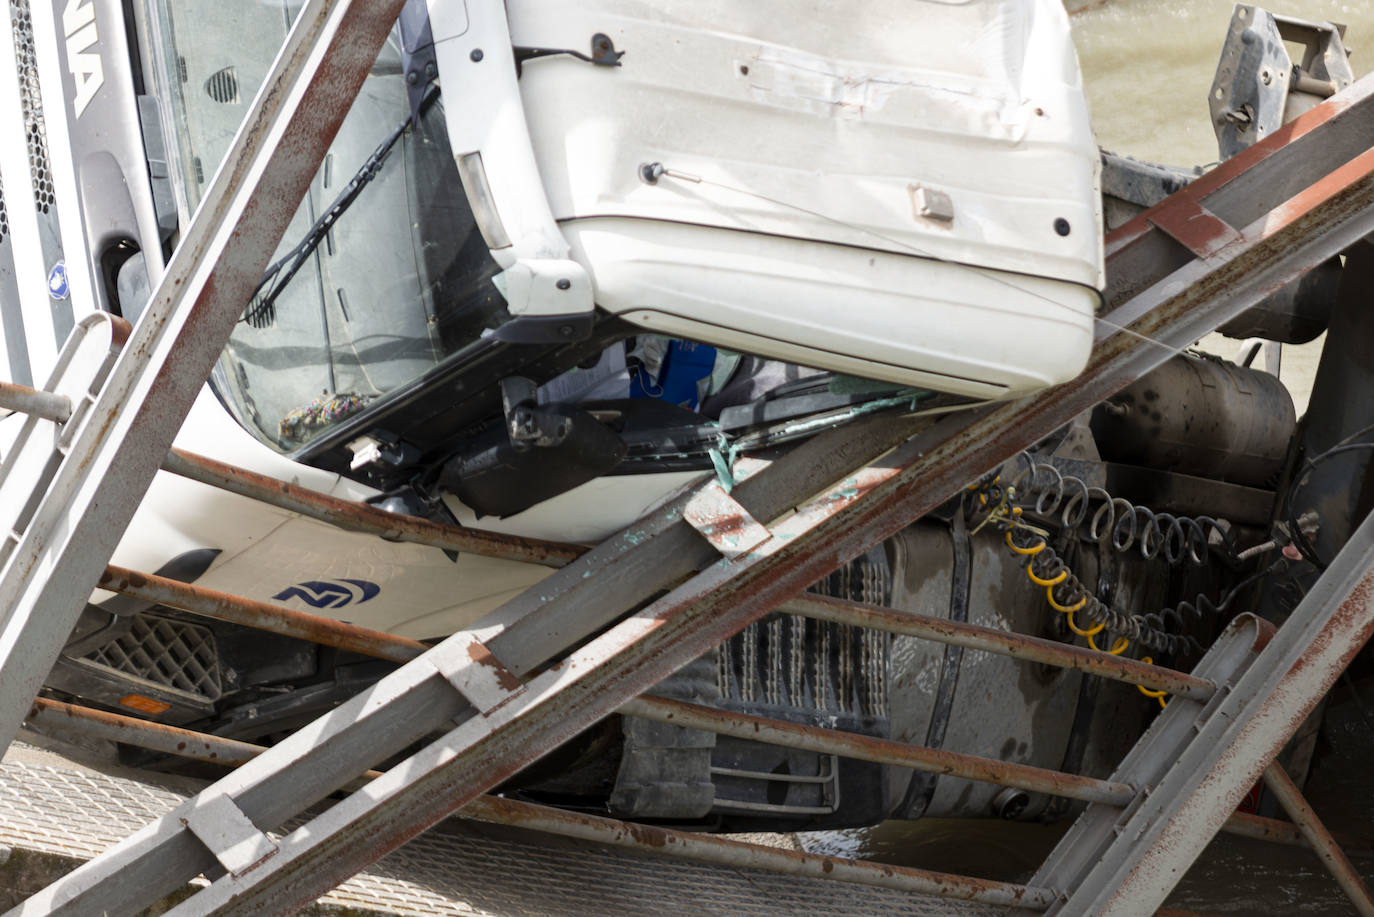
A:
[584,644]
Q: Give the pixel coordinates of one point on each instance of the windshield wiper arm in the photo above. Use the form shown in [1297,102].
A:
[262,306]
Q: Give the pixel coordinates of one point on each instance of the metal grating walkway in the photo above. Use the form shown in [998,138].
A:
[462,868]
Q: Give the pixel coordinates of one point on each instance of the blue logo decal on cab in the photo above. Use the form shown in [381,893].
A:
[331,593]
[58,286]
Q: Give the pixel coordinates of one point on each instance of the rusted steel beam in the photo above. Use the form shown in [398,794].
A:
[987,639]
[1244,824]
[1272,175]
[692,847]
[970,767]
[171,740]
[707,848]
[882,751]
[359,517]
[260,615]
[47,405]
[1318,838]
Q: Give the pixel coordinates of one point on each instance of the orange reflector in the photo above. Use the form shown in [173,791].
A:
[145,704]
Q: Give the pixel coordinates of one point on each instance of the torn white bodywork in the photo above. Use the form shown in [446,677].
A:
[788,138]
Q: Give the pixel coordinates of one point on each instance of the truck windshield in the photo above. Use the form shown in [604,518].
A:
[401,281]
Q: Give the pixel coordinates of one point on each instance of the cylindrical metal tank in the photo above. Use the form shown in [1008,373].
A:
[1200,416]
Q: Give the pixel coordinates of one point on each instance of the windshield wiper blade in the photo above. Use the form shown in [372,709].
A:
[262,306]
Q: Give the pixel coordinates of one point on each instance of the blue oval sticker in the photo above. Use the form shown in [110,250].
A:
[58,286]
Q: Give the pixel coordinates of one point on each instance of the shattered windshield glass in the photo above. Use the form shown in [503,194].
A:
[397,283]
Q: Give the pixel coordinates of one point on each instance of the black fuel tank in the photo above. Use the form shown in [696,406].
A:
[1200,416]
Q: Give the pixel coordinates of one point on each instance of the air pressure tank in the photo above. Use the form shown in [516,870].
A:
[1200,416]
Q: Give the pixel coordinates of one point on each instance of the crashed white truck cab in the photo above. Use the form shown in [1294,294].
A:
[561,259]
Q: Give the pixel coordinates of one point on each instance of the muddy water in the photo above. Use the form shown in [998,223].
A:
[1148,65]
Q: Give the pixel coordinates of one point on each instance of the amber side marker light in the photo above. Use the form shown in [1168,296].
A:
[144,704]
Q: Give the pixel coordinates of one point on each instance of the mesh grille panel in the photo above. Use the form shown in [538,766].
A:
[32,102]
[166,652]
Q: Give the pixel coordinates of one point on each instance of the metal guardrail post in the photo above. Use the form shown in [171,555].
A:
[288,622]
[32,462]
[883,751]
[112,727]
